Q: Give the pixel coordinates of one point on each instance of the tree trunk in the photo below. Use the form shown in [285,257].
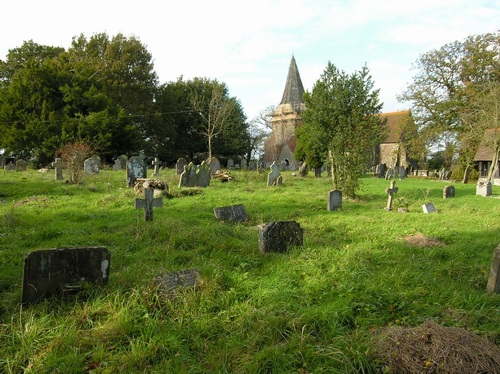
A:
[466,174]
[493,166]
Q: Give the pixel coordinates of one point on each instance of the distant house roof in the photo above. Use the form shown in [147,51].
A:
[394,122]
[294,90]
[485,149]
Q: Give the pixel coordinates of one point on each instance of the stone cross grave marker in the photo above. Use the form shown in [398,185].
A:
[156,166]
[136,168]
[274,177]
[429,208]
[334,200]
[280,236]
[448,192]
[57,165]
[148,203]
[21,165]
[63,271]
[391,191]
[494,279]
[233,213]
[171,282]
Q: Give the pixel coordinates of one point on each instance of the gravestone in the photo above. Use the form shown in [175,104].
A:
[58,169]
[148,203]
[294,166]
[21,165]
[391,191]
[283,165]
[334,200]
[123,161]
[484,189]
[63,271]
[118,165]
[188,176]
[9,167]
[136,168]
[402,172]
[214,165]
[156,166]
[494,279]
[448,192]
[171,282]
[237,166]
[230,164]
[179,166]
[233,213]
[203,175]
[280,236]
[244,164]
[92,165]
[274,175]
[252,165]
[429,208]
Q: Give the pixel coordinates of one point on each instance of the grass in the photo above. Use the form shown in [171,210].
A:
[315,309]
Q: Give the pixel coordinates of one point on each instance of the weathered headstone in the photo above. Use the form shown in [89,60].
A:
[283,165]
[244,164]
[294,166]
[117,165]
[21,165]
[280,236]
[252,165]
[494,279]
[62,271]
[171,282]
[136,168]
[272,177]
[448,192]
[402,172]
[214,165]
[9,167]
[123,161]
[391,191]
[92,165]
[156,166]
[230,164]
[233,213]
[148,203]
[334,200]
[429,208]
[203,175]
[179,166]
[58,168]
[484,189]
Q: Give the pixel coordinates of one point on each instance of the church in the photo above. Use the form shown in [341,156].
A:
[280,145]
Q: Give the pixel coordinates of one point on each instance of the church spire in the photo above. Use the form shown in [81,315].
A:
[294,90]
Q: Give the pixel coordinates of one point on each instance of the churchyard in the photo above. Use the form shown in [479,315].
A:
[325,305]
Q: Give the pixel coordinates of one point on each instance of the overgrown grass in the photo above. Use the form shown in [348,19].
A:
[314,309]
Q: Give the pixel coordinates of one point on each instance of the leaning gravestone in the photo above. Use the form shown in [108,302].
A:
[188,176]
[136,168]
[203,175]
[273,178]
[334,200]
[494,279]
[280,236]
[171,282]
[21,165]
[214,165]
[63,271]
[429,208]
[233,213]
[92,165]
[448,192]
[179,166]
[484,189]
[57,165]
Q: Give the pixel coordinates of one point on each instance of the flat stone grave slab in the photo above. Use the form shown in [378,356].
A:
[429,208]
[233,213]
[170,282]
[280,236]
[63,271]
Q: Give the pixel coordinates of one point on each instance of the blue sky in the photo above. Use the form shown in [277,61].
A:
[248,45]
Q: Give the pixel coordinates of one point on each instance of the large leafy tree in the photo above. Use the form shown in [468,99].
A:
[342,110]
[446,88]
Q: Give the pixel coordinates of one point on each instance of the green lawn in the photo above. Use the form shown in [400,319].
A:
[315,309]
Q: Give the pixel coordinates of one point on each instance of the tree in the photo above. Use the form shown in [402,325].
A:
[343,110]
[446,86]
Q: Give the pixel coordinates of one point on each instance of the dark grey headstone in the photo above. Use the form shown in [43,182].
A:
[494,279]
[280,236]
[334,200]
[170,282]
[234,213]
[63,270]
[429,208]
[448,192]
[136,168]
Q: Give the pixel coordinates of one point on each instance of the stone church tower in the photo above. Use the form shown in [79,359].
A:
[281,143]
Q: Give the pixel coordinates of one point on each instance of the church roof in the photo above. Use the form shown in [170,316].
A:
[395,121]
[485,150]
[294,90]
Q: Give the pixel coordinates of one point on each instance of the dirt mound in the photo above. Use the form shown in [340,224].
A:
[421,240]
[431,348]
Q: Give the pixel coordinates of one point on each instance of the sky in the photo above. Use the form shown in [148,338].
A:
[248,45]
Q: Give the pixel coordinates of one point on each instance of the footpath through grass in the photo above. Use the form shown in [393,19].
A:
[316,309]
